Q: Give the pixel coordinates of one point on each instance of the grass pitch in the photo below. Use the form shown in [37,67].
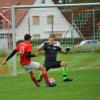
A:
[84,69]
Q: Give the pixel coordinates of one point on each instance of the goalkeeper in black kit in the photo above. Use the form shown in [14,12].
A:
[51,48]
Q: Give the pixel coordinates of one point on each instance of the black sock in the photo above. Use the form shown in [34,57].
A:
[40,77]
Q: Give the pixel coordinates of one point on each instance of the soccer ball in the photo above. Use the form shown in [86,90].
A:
[52,81]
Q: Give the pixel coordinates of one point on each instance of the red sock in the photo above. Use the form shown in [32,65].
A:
[35,81]
[45,76]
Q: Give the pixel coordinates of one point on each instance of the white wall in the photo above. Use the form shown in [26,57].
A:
[60,23]
[3,43]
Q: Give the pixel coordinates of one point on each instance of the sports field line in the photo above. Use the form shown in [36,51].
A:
[81,68]
[85,68]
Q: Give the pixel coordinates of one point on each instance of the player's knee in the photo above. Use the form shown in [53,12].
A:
[63,64]
[31,73]
[42,68]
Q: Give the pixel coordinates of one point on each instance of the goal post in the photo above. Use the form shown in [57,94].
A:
[71,23]
[14,38]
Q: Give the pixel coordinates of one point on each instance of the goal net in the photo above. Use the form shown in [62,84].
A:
[6,42]
[71,24]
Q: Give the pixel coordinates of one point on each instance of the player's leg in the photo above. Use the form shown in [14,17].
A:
[29,69]
[47,67]
[44,74]
[36,65]
[31,72]
[40,77]
[65,71]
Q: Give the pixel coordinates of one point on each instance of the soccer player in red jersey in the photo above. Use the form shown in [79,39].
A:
[25,51]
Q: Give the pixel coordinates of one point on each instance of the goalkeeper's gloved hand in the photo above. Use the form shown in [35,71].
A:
[67,49]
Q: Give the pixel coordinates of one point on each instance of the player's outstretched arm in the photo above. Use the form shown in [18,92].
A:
[29,55]
[66,50]
[4,62]
[39,48]
[10,56]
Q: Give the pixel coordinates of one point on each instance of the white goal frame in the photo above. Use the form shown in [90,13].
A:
[13,8]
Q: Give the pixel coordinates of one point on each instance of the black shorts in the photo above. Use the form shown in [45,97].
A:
[52,64]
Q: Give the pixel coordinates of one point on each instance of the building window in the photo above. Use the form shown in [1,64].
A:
[36,20]
[42,1]
[3,36]
[50,19]
[1,23]
[64,1]
[36,36]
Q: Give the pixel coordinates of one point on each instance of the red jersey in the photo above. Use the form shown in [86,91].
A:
[23,48]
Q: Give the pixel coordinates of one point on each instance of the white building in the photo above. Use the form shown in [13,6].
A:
[39,22]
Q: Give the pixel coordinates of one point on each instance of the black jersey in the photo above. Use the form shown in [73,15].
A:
[51,51]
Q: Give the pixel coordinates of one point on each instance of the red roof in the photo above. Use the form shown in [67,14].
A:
[20,14]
